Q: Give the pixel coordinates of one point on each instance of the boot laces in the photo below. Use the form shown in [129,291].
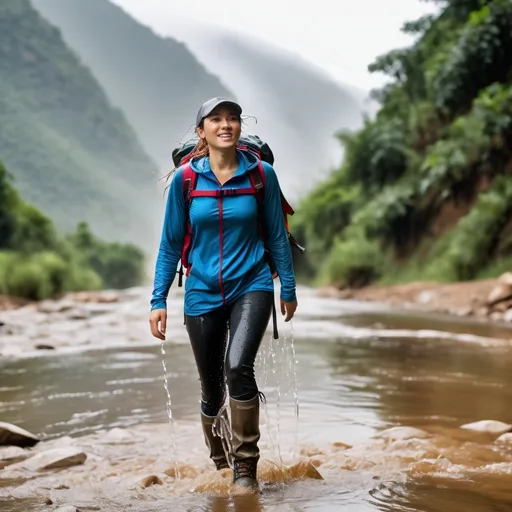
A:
[245,469]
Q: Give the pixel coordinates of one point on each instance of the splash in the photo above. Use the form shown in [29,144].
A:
[277,366]
[169,410]
[292,367]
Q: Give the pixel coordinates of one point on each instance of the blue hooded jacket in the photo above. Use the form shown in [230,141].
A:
[227,254]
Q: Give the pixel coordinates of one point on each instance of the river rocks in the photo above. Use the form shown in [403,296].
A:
[12,455]
[151,480]
[505,438]
[54,459]
[499,300]
[403,434]
[11,435]
[54,306]
[488,426]
[100,297]
[506,279]
[498,294]
[67,508]
[44,346]
[118,436]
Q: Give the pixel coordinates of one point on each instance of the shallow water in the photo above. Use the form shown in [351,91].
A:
[350,389]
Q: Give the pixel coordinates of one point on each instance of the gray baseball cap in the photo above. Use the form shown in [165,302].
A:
[208,107]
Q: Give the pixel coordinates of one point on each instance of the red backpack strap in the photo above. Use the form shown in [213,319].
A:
[189,184]
[257,177]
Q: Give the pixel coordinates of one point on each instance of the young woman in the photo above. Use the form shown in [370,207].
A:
[229,291]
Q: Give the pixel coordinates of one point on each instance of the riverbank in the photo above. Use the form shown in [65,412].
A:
[489,299]
[85,321]
[82,321]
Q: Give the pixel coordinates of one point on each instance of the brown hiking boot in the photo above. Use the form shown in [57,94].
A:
[214,442]
[245,416]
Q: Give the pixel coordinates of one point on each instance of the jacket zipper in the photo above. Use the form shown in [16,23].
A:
[221,228]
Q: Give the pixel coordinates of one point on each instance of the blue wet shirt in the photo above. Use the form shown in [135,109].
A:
[227,254]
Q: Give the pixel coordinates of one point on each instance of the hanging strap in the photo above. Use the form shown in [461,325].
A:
[274,319]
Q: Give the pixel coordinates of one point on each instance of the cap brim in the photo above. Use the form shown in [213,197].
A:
[221,103]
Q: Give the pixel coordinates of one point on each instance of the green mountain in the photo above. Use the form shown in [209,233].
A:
[72,154]
[156,81]
[425,189]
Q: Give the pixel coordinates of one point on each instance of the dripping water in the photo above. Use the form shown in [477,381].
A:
[169,411]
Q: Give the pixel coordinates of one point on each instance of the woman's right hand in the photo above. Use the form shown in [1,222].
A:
[157,322]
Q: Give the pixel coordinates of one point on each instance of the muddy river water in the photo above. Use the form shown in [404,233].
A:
[346,386]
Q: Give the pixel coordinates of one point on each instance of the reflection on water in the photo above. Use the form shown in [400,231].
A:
[349,391]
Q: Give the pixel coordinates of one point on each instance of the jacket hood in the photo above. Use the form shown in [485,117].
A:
[246,162]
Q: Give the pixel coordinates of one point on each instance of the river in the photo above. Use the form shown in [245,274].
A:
[336,382]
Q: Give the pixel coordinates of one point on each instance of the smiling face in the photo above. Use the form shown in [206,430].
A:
[221,129]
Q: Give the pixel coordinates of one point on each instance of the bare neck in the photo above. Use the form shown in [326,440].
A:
[223,161]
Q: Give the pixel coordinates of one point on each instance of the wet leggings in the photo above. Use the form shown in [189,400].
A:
[245,321]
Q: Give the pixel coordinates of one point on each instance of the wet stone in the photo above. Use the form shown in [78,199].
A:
[151,480]
[403,434]
[505,438]
[488,426]
[11,435]
[56,458]
[11,455]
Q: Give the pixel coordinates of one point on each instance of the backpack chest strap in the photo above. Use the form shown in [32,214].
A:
[223,192]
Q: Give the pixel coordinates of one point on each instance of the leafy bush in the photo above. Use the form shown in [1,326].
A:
[118,265]
[42,275]
[467,140]
[376,155]
[353,261]
[483,55]
[37,263]
[391,215]
[493,109]
[463,252]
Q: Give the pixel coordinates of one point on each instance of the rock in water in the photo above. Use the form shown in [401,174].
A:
[403,434]
[151,480]
[489,426]
[56,458]
[506,279]
[11,435]
[12,455]
[119,436]
[505,438]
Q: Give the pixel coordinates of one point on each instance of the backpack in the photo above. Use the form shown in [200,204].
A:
[252,144]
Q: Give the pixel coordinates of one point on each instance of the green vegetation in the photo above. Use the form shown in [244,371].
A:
[73,155]
[425,189]
[37,263]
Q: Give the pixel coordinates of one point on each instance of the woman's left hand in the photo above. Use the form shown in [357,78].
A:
[288,309]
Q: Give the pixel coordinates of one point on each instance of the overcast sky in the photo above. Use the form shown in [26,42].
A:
[340,36]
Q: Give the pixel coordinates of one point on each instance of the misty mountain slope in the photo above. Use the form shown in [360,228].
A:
[71,153]
[299,108]
[156,81]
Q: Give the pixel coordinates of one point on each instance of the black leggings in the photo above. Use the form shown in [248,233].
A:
[246,319]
